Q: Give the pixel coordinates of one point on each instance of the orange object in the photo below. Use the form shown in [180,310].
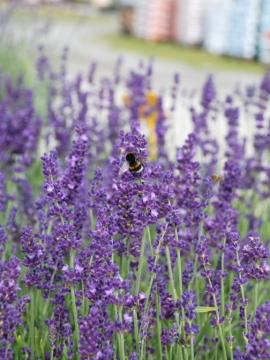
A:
[151,100]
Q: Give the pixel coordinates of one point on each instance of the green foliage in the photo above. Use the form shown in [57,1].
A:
[194,56]
[14,61]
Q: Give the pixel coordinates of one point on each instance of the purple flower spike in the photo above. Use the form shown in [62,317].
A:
[209,93]
[49,164]
[96,335]
[254,251]
[3,239]
[188,272]
[11,308]
[34,252]
[3,194]
[258,346]
[20,125]
[189,304]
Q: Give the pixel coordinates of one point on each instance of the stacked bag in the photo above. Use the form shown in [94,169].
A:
[216,25]
[231,27]
[239,28]
[242,28]
[189,21]
[153,19]
[264,33]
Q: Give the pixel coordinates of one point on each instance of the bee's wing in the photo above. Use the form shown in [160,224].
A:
[124,168]
[140,158]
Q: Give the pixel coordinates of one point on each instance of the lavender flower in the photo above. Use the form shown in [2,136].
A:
[258,346]
[209,93]
[11,306]
[20,125]
[3,239]
[96,335]
[3,195]
[112,263]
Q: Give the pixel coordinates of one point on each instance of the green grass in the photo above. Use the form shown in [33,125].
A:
[57,12]
[14,60]
[194,56]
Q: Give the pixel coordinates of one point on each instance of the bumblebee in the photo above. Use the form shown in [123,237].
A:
[133,164]
[217,178]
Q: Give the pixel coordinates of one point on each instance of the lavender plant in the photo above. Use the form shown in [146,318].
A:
[169,262]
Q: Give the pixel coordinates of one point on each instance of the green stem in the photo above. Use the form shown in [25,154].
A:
[91,260]
[230,330]
[136,330]
[170,353]
[19,347]
[121,338]
[168,256]
[216,347]
[153,275]
[113,256]
[37,343]
[41,345]
[142,350]
[256,290]
[192,347]
[231,351]
[48,298]
[222,278]
[52,353]
[179,265]
[158,325]
[125,269]
[217,315]
[179,352]
[243,295]
[92,221]
[74,307]
[222,342]
[185,354]
[245,312]
[49,229]
[118,350]
[138,280]
[83,301]
[196,283]
[150,240]
[6,351]
[32,323]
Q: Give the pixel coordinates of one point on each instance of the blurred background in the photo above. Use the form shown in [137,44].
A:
[229,39]
[239,28]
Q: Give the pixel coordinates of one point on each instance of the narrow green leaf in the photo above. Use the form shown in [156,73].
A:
[18,338]
[41,344]
[204,309]
[201,334]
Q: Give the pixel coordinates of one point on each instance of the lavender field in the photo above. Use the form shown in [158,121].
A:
[98,262]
